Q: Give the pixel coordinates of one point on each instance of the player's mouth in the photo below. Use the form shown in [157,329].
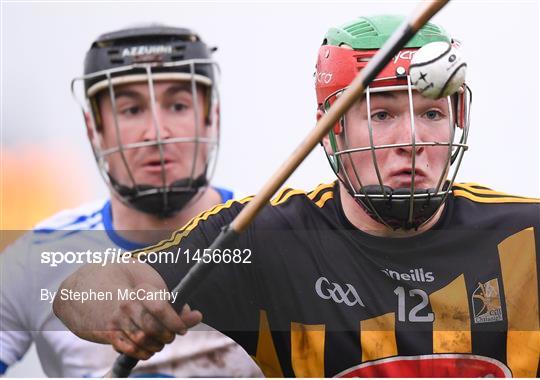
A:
[154,165]
[403,178]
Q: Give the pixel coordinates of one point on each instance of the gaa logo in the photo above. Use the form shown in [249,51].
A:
[330,290]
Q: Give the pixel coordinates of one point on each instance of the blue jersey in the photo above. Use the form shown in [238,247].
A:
[29,277]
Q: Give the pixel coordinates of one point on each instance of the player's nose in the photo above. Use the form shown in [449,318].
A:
[407,135]
[157,128]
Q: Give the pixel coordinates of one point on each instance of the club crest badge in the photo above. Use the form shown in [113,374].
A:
[486,302]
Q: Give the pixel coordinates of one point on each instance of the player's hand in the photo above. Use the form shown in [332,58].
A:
[140,328]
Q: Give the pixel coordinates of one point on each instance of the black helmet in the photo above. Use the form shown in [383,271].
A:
[154,44]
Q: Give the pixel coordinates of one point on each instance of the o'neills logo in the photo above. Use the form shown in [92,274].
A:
[436,365]
[416,275]
[146,50]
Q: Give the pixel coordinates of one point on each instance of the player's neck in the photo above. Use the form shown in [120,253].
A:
[143,228]
[361,220]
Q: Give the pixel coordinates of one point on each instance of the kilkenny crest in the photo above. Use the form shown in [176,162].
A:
[486,301]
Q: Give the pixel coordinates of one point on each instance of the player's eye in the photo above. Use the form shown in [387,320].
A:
[380,116]
[433,115]
[177,107]
[131,110]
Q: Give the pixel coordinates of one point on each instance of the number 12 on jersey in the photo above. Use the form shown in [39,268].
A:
[413,314]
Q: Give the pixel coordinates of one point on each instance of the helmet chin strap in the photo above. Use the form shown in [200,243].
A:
[395,207]
[159,201]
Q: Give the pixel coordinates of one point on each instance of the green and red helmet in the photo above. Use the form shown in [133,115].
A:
[347,49]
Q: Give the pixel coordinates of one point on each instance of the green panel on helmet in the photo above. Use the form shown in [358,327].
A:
[372,32]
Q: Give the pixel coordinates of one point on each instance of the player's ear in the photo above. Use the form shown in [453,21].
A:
[320,114]
[326,144]
[326,139]
[92,117]
[88,123]
[216,115]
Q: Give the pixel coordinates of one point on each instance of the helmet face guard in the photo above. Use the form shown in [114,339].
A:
[405,207]
[152,56]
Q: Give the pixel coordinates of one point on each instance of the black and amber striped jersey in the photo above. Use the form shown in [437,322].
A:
[311,295]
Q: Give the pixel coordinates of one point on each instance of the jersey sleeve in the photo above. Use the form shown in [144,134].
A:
[15,337]
[227,296]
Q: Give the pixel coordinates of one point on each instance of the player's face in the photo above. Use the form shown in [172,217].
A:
[175,117]
[391,124]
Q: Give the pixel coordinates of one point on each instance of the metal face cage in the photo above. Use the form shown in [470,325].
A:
[172,194]
[380,201]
